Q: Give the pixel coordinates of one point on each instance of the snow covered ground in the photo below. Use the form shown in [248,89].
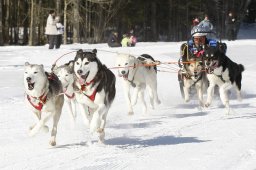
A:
[174,136]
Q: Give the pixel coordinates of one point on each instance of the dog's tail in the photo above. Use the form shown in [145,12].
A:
[241,67]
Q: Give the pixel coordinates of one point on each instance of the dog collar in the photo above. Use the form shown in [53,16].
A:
[42,100]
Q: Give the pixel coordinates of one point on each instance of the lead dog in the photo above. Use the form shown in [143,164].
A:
[65,74]
[42,96]
[223,72]
[136,74]
[94,90]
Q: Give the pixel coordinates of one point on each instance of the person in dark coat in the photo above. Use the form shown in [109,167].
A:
[231,26]
[113,40]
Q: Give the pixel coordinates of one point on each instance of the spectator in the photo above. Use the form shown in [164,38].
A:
[195,22]
[113,40]
[231,26]
[60,31]
[126,41]
[51,30]
[132,37]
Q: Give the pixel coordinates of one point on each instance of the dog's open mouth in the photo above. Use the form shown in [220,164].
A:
[31,86]
[125,76]
[214,64]
[83,78]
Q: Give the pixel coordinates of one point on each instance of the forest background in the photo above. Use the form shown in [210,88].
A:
[22,22]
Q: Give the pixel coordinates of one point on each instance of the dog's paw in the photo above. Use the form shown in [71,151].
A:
[186,100]
[131,113]
[52,142]
[100,130]
[158,102]
[31,127]
[207,104]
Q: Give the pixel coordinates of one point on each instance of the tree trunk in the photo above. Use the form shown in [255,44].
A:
[6,36]
[170,21]
[32,32]
[1,25]
[58,7]
[25,24]
[76,28]
[65,22]
[153,21]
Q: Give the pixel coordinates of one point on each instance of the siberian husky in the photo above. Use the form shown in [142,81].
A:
[223,72]
[136,74]
[94,90]
[65,74]
[42,96]
[194,77]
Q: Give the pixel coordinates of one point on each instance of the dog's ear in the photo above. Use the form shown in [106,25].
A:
[94,50]
[71,64]
[80,51]
[27,63]
[42,66]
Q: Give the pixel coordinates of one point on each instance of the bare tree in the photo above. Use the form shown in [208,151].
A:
[76,28]
[104,11]
[58,7]
[1,24]
[32,32]
[153,21]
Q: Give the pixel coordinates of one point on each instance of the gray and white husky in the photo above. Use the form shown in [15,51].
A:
[136,74]
[94,90]
[65,74]
[194,76]
[42,96]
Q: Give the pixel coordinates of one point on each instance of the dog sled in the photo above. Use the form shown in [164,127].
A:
[198,60]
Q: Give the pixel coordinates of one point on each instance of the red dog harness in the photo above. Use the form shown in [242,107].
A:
[83,88]
[42,100]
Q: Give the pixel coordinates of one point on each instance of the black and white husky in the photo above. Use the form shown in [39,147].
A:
[94,90]
[225,73]
[43,96]
[65,74]
[136,74]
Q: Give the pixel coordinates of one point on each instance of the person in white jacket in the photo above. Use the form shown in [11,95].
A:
[51,29]
[60,31]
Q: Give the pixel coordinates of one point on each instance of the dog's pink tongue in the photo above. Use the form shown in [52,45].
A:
[81,81]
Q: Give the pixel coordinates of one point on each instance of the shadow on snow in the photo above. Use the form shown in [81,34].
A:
[124,142]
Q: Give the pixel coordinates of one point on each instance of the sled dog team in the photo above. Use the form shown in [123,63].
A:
[90,85]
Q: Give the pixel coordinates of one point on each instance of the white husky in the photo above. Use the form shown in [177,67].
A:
[42,95]
[94,90]
[65,74]
[139,76]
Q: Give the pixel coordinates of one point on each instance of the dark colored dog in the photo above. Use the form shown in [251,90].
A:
[222,71]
